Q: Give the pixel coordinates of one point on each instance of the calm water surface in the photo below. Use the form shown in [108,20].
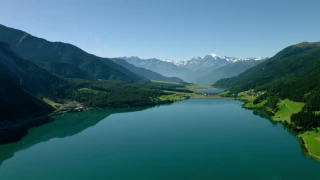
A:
[193,139]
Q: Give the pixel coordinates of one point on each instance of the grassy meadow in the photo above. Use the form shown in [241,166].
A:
[286,109]
[312,142]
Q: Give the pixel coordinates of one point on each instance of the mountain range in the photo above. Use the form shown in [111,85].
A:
[227,71]
[159,66]
[70,61]
[209,62]
[197,68]
[145,72]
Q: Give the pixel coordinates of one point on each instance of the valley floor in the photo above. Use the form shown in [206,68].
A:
[179,96]
[171,95]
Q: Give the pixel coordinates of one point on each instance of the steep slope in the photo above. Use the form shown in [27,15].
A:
[64,70]
[145,72]
[19,77]
[16,103]
[32,77]
[297,61]
[45,51]
[227,71]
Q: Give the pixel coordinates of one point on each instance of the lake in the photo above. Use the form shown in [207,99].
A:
[192,139]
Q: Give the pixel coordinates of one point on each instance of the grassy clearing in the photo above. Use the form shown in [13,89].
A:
[172,97]
[178,96]
[51,103]
[194,95]
[165,82]
[182,96]
[89,90]
[250,105]
[286,109]
[194,87]
[247,96]
[311,139]
[224,93]
[191,87]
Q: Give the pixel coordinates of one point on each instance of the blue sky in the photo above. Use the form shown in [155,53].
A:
[168,29]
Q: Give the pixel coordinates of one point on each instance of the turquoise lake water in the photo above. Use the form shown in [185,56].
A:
[193,139]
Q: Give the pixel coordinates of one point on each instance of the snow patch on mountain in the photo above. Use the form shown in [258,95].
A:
[209,62]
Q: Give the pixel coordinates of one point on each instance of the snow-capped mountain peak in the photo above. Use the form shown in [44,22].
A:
[176,62]
[207,63]
[259,58]
[213,55]
[210,61]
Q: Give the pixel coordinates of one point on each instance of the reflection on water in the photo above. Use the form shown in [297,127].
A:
[262,114]
[192,139]
[62,126]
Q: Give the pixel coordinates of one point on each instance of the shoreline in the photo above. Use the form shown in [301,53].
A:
[309,154]
[15,131]
[302,143]
[305,149]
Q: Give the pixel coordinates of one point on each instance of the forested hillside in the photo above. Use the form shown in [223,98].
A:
[44,51]
[19,72]
[64,70]
[293,73]
[18,78]
[32,77]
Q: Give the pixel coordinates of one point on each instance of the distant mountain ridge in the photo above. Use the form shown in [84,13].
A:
[227,71]
[209,62]
[146,72]
[162,67]
[190,70]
